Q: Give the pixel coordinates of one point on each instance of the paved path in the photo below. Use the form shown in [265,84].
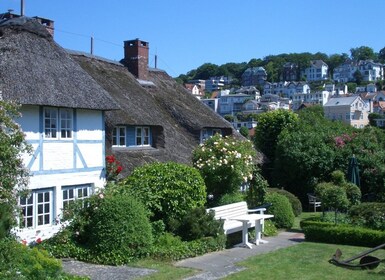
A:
[220,264]
[214,265]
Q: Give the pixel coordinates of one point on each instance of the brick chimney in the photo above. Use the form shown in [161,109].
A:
[136,58]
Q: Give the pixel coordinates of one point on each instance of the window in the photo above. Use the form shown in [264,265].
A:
[71,193]
[58,120]
[37,208]
[142,136]
[119,136]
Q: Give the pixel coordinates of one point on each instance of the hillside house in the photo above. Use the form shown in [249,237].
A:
[194,90]
[311,98]
[370,71]
[254,76]
[317,71]
[351,110]
[63,118]
[290,72]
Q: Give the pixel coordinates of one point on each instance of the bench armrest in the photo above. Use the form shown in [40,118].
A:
[260,210]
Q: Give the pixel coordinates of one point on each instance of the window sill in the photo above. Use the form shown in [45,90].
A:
[132,148]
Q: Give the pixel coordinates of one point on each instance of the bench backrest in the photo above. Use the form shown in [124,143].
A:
[230,210]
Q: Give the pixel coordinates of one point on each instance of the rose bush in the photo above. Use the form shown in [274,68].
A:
[225,164]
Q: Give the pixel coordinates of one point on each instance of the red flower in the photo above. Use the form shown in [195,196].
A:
[110,159]
[119,169]
[38,241]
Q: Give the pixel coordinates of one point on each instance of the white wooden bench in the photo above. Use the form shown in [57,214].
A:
[230,211]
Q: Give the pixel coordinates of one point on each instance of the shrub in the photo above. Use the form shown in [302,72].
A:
[172,248]
[353,193]
[368,214]
[118,228]
[18,261]
[281,209]
[294,201]
[168,190]
[256,192]
[107,229]
[229,198]
[197,224]
[224,163]
[343,234]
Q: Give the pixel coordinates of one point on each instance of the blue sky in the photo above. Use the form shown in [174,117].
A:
[184,34]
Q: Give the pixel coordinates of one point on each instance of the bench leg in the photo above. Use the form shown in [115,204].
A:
[245,236]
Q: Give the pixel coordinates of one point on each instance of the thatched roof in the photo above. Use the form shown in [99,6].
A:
[34,70]
[175,116]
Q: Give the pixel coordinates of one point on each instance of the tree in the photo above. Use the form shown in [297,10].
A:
[270,125]
[357,75]
[244,131]
[225,164]
[13,175]
[381,55]
[362,53]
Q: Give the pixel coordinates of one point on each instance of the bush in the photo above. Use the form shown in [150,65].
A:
[230,198]
[224,163]
[294,201]
[168,190]
[281,209]
[256,192]
[343,234]
[107,229]
[172,248]
[198,224]
[368,214]
[18,261]
[118,228]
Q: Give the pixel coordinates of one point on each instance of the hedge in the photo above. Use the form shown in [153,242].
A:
[342,234]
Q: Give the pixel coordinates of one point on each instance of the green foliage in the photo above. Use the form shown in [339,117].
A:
[362,53]
[197,224]
[20,262]
[372,118]
[229,198]
[270,125]
[172,248]
[118,226]
[281,209]
[332,197]
[256,192]
[368,214]
[229,118]
[342,234]
[13,175]
[294,201]
[224,163]
[168,190]
[269,228]
[353,194]
[105,228]
[244,131]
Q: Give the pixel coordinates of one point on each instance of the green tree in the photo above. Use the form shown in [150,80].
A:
[332,197]
[13,175]
[244,131]
[224,163]
[205,71]
[381,55]
[357,75]
[362,53]
[270,125]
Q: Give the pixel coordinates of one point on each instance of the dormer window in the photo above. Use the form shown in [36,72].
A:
[131,136]
[119,136]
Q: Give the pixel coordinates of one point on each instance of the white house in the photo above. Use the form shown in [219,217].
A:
[311,98]
[63,112]
[370,71]
[351,110]
[317,71]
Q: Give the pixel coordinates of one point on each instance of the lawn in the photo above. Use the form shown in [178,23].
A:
[307,261]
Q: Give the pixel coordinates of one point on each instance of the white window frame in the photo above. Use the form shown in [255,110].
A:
[119,136]
[72,193]
[37,210]
[56,125]
[142,136]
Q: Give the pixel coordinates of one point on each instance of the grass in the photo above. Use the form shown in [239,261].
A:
[307,261]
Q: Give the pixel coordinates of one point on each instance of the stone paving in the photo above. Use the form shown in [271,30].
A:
[211,266]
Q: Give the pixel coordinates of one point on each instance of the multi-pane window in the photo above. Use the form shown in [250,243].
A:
[70,194]
[36,209]
[119,136]
[57,120]
[65,123]
[50,122]
[142,136]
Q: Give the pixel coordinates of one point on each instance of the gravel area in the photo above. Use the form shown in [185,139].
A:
[103,272]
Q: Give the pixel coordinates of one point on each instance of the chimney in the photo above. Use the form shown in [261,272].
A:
[136,58]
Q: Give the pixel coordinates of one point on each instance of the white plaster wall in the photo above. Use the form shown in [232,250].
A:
[92,154]
[29,121]
[90,125]
[58,155]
